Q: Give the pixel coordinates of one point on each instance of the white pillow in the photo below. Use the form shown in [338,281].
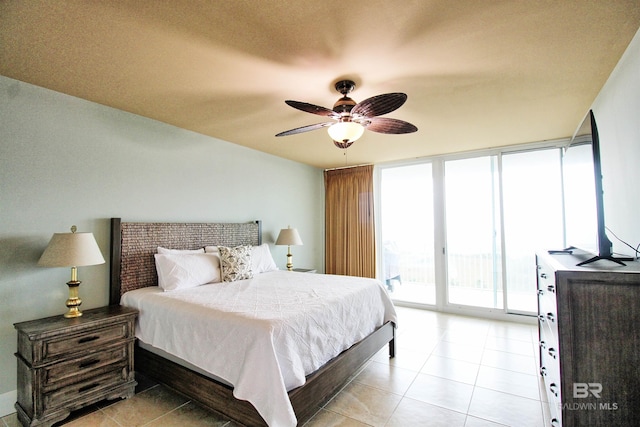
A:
[186,270]
[162,250]
[261,259]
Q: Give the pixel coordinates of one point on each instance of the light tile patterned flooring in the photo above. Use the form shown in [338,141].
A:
[448,371]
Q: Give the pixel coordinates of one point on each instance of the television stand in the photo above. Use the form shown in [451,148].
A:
[610,258]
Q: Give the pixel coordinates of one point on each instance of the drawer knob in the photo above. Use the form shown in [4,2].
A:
[553,388]
[88,387]
[554,422]
[88,363]
[552,352]
[540,292]
[551,317]
[543,344]
[541,318]
[543,371]
[543,275]
[88,339]
[551,288]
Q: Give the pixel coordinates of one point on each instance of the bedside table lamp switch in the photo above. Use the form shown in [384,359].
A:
[72,250]
[289,236]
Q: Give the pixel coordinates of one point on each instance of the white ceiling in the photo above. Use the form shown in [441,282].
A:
[478,73]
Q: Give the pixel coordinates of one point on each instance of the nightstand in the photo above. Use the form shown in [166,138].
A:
[66,364]
[305,270]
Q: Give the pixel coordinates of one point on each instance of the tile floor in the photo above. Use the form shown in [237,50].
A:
[449,371]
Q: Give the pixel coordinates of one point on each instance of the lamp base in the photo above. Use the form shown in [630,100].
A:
[289,260]
[74,301]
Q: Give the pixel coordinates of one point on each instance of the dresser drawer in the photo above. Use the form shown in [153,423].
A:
[555,412]
[547,290]
[547,316]
[61,347]
[554,400]
[546,275]
[74,370]
[83,389]
[549,354]
[547,309]
[550,367]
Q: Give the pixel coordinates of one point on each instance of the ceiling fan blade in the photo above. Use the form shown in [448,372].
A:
[305,129]
[313,109]
[379,104]
[387,125]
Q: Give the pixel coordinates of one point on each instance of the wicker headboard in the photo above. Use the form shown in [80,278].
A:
[133,245]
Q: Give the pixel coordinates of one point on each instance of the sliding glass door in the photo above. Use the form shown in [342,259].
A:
[474,255]
[532,194]
[406,254]
[477,247]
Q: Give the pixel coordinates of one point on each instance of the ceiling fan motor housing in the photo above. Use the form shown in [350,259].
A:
[344,105]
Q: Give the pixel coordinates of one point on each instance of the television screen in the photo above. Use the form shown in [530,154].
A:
[579,218]
[581,225]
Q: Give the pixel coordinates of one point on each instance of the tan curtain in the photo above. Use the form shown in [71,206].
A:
[350,233]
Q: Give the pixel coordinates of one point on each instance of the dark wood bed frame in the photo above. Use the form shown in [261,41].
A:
[132,266]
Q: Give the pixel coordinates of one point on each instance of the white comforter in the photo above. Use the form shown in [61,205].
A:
[262,335]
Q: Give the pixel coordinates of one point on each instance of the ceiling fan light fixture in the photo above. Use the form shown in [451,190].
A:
[345,132]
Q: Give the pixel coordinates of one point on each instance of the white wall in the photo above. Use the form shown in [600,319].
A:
[617,113]
[66,161]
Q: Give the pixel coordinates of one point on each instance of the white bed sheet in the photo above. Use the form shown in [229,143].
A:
[263,335]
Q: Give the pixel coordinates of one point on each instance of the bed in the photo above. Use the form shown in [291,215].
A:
[133,272]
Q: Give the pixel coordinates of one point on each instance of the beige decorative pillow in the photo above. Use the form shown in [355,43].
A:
[235,263]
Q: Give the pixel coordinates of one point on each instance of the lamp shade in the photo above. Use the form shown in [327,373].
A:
[345,131]
[289,236]
[71,250]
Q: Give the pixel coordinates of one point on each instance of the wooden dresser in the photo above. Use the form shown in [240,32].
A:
[589,328]
[66,364]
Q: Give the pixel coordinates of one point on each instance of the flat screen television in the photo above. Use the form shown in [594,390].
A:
[587,133]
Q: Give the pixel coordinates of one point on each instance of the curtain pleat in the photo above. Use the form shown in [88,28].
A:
[350,230]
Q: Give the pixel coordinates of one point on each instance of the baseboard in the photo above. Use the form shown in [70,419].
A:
[7,400]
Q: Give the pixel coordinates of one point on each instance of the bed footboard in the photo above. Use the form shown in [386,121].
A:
[306,400]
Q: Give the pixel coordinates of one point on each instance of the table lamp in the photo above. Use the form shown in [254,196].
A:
[72,250]
[289,236]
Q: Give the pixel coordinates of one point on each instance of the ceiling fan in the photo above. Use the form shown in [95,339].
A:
[350,119]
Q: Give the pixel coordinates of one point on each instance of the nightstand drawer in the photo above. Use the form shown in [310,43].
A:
[97,384]
[55,348]
[71,371]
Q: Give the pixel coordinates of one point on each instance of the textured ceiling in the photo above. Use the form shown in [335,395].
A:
[477,73]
